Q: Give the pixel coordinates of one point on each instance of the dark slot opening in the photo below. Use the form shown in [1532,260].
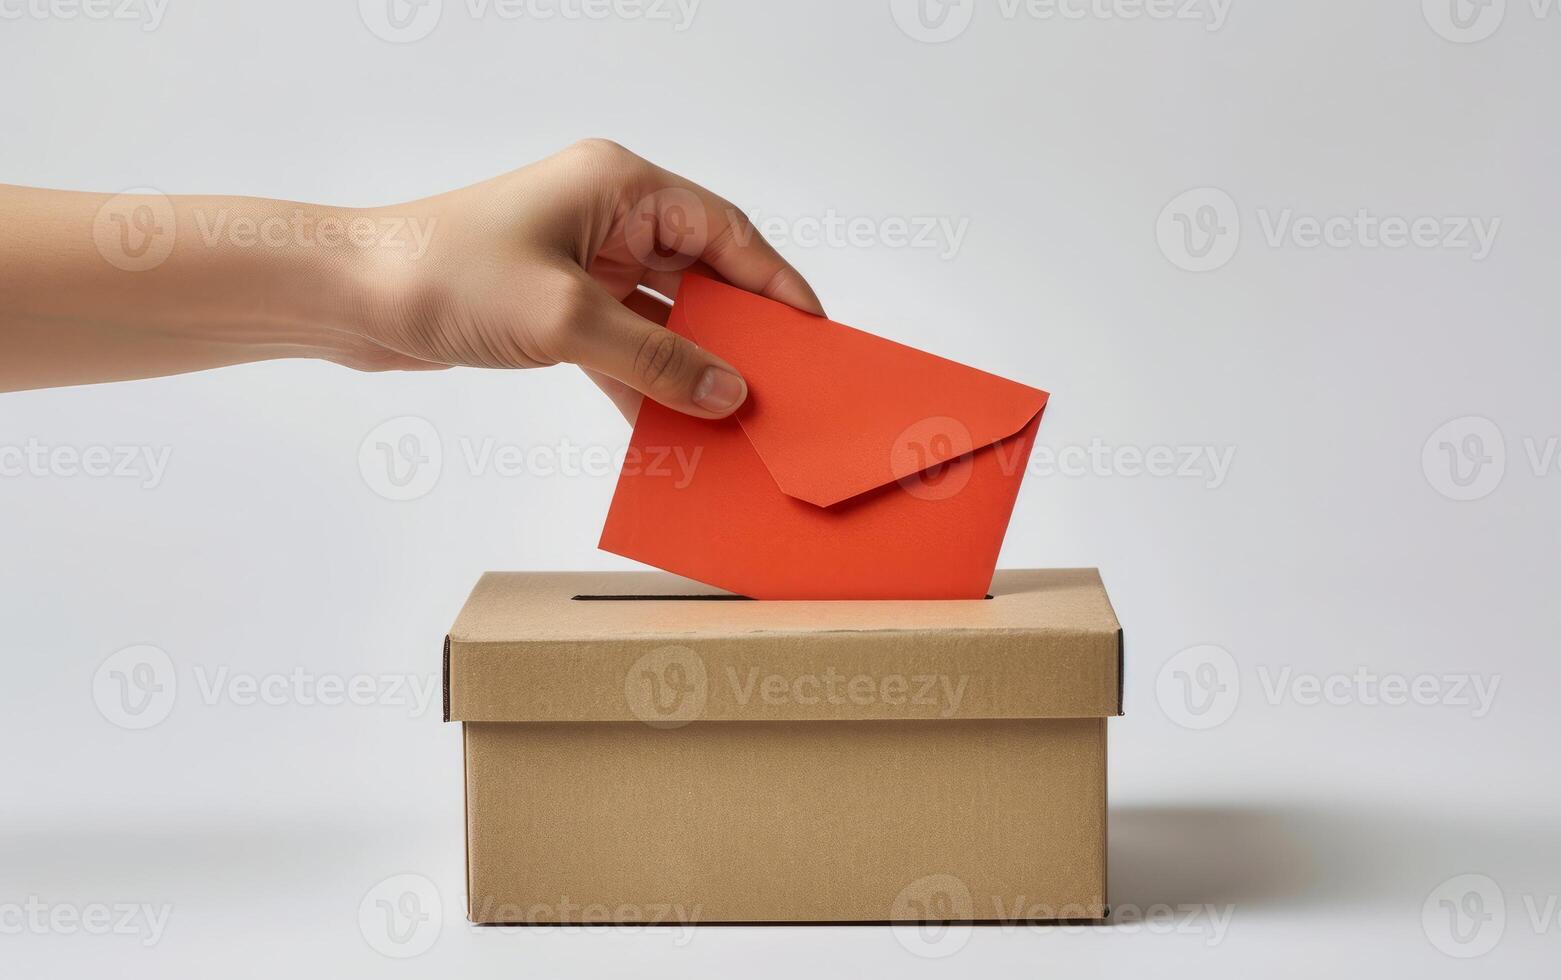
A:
[655,598]
[671,598]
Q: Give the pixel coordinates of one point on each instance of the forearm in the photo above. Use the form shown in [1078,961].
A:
[566,260]
[96,288]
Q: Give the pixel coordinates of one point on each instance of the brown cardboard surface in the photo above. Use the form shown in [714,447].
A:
[1046,645]
[685,760]
[761,822]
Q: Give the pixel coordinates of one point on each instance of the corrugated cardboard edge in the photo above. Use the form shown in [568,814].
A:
[1121,649]
[1121,676]
[466,827]
[1105,818]
[1102,920]
[447,679]
[1105,764]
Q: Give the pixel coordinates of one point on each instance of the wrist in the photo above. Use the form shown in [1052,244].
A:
[308,280]
[282,279]
[385,282]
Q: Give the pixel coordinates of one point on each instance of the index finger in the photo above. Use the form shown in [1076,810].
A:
[720,235]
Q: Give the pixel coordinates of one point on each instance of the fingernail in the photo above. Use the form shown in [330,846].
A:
[719,390]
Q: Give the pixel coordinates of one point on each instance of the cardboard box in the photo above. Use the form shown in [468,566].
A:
[640,749]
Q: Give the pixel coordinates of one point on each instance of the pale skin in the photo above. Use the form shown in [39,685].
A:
[557,262]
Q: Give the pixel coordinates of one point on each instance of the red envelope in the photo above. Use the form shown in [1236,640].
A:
[858,468]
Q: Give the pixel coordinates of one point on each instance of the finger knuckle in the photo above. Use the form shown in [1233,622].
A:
[777,280]
[660,359]
[604,154]
[722,242]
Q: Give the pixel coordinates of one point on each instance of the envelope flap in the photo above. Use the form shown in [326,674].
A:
[833,411]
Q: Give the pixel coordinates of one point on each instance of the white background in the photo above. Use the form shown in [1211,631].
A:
[1332,545]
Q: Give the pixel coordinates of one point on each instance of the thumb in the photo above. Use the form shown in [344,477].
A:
[613,340]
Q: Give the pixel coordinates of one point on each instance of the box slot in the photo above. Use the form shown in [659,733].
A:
[670,598]
[654,598]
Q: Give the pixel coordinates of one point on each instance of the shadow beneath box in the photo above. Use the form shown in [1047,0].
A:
[1274,856]
[1243,855]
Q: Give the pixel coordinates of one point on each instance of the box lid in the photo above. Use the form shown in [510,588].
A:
[652,647]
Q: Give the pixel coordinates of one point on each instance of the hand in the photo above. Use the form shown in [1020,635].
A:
[544,265]
[548,264]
